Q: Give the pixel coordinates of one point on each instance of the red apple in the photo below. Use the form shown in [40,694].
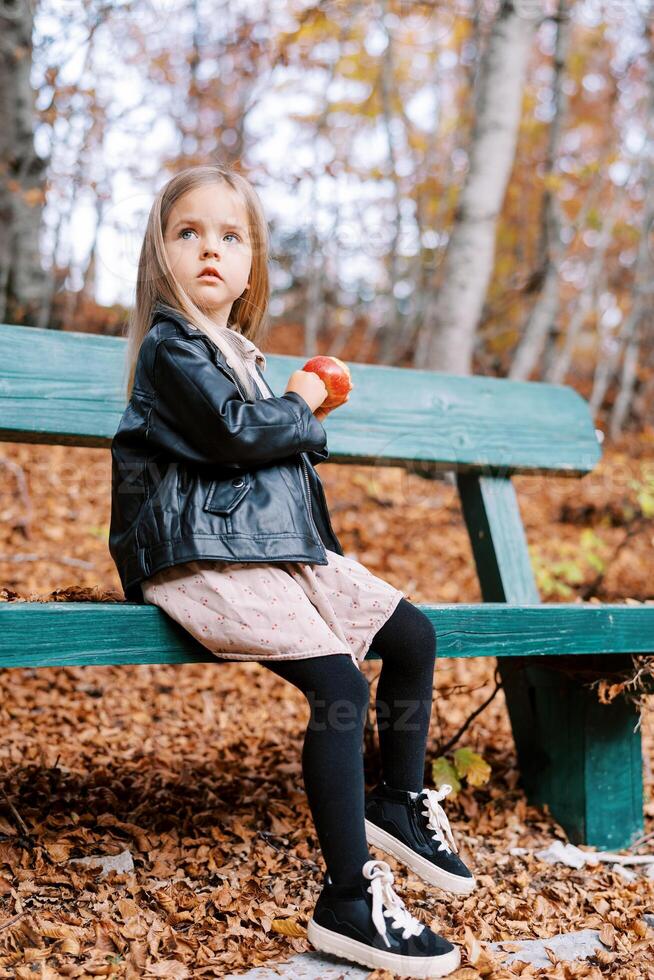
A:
[336,377]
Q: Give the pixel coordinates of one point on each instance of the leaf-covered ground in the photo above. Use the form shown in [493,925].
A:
[194,771]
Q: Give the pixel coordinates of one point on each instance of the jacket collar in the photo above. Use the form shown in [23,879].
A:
[163,311]
[250,349]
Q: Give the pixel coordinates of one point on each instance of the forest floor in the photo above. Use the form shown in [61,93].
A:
[192,773]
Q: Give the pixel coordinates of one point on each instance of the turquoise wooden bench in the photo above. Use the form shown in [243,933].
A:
[580,757]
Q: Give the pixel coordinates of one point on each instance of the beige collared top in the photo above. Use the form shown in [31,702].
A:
[254,356]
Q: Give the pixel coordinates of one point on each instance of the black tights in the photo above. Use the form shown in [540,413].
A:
[332,755]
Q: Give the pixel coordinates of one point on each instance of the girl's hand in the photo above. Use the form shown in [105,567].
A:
[310,386]
[322,413]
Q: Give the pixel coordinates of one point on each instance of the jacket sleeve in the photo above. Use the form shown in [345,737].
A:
[199,415]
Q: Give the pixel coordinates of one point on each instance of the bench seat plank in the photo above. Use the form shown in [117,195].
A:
[42,634]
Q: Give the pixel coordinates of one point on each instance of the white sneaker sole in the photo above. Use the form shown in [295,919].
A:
[422,867]
[402,966]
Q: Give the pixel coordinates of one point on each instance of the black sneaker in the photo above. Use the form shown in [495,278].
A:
[369,924]
[417,832]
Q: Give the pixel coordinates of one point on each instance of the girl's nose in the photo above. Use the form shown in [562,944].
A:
[211,247]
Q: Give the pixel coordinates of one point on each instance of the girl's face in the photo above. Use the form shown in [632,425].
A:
[208,227]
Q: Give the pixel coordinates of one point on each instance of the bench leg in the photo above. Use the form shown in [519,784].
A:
[580,757]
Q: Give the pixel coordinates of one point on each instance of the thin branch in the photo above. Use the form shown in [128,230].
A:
[455,738]
[14,918]
[17,817]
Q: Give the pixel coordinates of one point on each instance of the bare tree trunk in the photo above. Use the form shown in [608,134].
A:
[558,370]
[341,338]
[544,313]
[22,173]
[542,319]
[89,283]
[418,333]
[413,338]
[608,357]
[644,399]
[315,307]
[622,403]
[426,263]
[316,280]
[315,289]
[627,339]
[78,143]
[453,314]
[390,327]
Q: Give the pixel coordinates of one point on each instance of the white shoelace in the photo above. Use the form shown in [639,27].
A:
[437,819]
[386,903]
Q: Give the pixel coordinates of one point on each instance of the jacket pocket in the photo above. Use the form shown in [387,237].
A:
[224,495]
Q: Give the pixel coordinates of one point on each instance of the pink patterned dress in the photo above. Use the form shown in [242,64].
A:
[275,611]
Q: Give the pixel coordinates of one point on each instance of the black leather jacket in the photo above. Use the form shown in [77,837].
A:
[200,472]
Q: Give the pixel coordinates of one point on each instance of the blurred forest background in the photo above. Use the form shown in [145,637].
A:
[459,186]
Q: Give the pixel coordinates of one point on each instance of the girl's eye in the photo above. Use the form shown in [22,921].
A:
[232,233]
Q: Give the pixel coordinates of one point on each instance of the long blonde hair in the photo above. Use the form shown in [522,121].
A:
[156,282]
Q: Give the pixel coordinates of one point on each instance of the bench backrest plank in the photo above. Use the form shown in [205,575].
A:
[67,388]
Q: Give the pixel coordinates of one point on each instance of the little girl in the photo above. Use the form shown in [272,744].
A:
[220,519]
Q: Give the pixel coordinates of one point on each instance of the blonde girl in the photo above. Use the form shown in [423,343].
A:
[220,519]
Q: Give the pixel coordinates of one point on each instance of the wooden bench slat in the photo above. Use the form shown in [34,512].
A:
[71,393]
[41,634]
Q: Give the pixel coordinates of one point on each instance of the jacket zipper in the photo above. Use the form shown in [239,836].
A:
[313,523]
